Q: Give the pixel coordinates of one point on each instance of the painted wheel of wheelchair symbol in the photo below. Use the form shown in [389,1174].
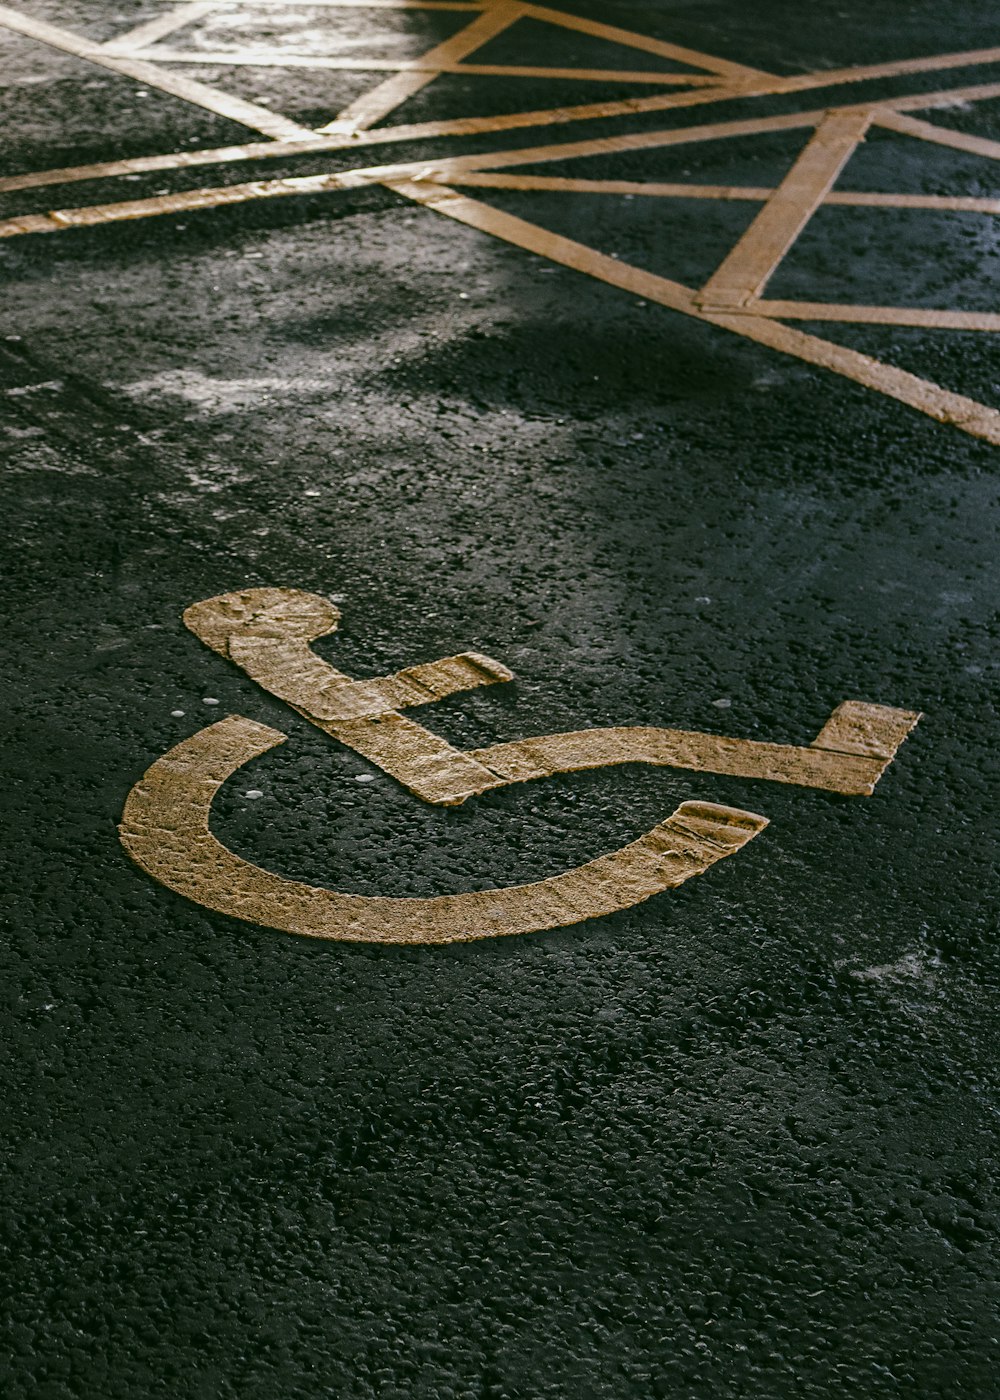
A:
[268,631]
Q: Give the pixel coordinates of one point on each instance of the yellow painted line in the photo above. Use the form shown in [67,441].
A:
[158,27]
[224,105]
[944,202]
[940,135]
[341,140]
[180,160]
[372,106]
[656,189]
[680,136]
[637,141]
[626,106]
[268,58]
[165,829]
[186,201]
[880,315]
[742,276]
[629,38]
[898,68]
[921,394]
[559,184]
[810,82]
[944,97]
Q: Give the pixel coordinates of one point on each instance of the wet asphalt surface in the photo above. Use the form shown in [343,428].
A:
[738,1141]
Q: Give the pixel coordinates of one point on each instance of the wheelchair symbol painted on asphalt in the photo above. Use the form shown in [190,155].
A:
[267,632]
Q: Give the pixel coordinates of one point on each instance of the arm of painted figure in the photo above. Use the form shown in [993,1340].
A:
[849,755]
[267,632]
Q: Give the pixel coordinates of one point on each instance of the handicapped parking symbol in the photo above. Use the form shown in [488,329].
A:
[267,633]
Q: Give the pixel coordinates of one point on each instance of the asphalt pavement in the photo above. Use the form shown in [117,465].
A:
[736,1140]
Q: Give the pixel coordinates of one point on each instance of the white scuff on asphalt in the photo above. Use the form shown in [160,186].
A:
[222,395]
[909,968]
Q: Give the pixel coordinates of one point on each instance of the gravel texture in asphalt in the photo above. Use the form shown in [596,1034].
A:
[737,1141]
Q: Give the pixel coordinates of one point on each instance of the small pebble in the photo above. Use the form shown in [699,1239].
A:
[722,704]
[364,777]
[177,714]
[253,794]
[209,700]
